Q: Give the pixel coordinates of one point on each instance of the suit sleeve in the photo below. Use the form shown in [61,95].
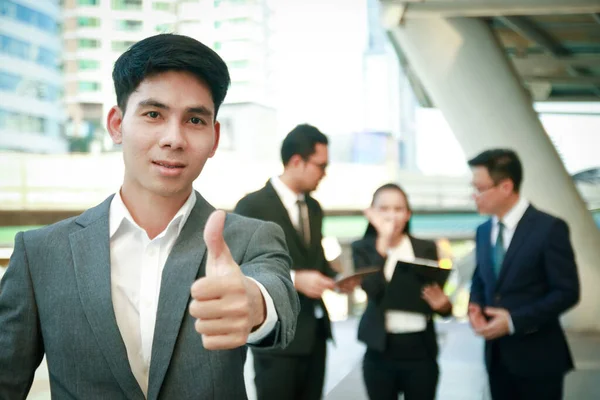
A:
[562,281]
[477,295]
[21,348]
[365,256]
[267,261]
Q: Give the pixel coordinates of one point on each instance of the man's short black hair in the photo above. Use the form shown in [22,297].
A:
[501,164]
[301,140]
[169,52]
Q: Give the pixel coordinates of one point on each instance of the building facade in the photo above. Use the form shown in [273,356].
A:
[31,115]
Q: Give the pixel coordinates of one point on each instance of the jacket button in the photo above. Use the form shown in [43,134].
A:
[497,298]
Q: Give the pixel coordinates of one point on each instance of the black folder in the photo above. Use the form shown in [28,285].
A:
[403,292]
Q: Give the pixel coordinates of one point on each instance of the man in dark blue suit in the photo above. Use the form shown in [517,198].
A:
[525,279]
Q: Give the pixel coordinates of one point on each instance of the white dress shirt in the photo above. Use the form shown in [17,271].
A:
[510,221]
[290,199]
[136,270]
[397,321]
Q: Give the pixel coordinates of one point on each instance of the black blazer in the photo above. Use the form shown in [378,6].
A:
[538,282]
[266,205]
[371,329]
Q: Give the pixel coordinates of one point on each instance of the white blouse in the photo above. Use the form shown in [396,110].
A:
[397,321]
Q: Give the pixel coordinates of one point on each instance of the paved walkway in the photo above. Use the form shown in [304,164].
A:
[462,377]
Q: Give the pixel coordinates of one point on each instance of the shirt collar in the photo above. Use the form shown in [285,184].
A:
[288,196]
[119,213]
[512,218]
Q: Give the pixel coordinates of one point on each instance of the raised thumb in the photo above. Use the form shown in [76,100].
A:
[218,257]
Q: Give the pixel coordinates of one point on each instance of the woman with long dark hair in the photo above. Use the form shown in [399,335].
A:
[402,349]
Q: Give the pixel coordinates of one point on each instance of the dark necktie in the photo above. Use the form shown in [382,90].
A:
[499,249]
[303,223]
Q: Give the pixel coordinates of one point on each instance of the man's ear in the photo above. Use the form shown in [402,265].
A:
[217,138]
[295,160]
[113,124]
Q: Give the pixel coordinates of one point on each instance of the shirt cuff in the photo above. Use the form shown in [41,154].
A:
[270,319]
[511,326]
[293,275]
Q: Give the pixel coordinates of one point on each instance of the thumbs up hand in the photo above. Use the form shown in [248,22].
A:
[226,304]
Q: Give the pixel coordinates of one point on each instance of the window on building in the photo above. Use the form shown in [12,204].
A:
[88,2]
[238,64]
[127,5]
[128,25]
[161,6]
[47,58]
[121,45]
[15,47]
[26,15]
[20,122]
[85,65]
[88,43]
[87,86]
[9,82]
[88,22]
[165,28]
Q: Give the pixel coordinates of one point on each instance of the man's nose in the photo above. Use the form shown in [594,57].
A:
[173,136]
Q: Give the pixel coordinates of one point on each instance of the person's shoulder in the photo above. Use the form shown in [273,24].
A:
[60,231]
[241,222]
[545,219]
[241,229]
[252,198]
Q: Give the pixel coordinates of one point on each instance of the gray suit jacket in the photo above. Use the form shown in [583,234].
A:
[55,299]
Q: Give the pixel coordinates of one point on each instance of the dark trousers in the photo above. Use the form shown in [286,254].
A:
[291,377]
[385,377]
[507,386]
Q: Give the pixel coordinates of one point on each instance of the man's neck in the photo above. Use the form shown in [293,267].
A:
[289,182]
[152,212]
[510,204]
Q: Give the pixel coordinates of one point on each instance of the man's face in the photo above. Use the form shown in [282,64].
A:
[490,197]
[167,133]
[313,169]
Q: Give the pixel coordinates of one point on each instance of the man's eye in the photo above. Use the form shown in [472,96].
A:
[195,120]
[152,114]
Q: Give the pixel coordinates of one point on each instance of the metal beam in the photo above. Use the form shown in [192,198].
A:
[529,30]
[415,83]
[547,61]
[494,8]
[578,80]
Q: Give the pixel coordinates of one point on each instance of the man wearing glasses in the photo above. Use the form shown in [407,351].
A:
[298,371]
[525,278]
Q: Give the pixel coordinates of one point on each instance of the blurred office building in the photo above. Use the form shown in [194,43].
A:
[96,32]
[31,115]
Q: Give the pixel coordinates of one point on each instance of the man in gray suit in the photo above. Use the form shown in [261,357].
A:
[128,300]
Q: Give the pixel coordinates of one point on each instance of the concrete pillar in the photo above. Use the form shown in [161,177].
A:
[469,78]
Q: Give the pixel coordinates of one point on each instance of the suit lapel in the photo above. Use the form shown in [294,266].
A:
[90,247]
[182,268]
[485,238]
[284,218]
[522,231]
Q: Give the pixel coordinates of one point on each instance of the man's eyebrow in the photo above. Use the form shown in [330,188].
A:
[152,103]
[200,110]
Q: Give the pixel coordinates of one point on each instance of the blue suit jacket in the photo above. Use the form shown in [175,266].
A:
[537,283]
